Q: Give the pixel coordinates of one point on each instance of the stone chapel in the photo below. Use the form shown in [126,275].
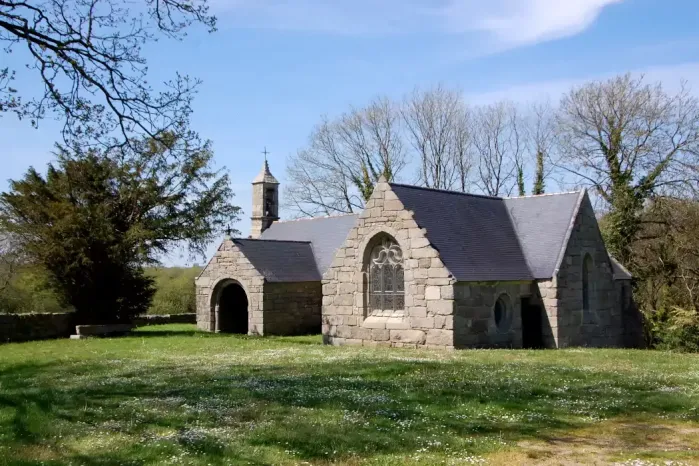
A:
[423,267]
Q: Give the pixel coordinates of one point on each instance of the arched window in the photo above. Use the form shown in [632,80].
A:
[586,279]
[385,289]
[502,312]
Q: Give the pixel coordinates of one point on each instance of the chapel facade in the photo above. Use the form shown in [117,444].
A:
[424,268]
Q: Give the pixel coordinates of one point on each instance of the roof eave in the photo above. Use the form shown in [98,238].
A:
[569,232]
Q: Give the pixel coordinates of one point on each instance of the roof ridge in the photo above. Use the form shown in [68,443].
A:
[518,238]
[528,196]
[270,240]
[301,219]
[484,196]
[569,231]
[618,264]
[315,260]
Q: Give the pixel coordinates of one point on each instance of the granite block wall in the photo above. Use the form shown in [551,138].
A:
[427,317]
[545,295]
[229,266]
[474,318]
[292,308]
[601,324]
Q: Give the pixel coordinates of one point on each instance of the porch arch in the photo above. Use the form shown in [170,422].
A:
[230,306]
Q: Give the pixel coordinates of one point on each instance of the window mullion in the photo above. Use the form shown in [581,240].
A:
[386,260]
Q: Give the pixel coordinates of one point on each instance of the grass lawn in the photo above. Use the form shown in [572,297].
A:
[172,395]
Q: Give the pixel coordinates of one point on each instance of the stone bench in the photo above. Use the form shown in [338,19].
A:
[87,331]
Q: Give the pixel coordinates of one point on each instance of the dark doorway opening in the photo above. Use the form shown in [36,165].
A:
[532,320]
[233,310]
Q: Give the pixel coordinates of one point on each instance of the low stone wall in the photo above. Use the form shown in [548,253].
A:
[27,327]
[142,321]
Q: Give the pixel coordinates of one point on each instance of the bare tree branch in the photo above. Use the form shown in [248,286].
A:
[88,54]
[344,158]
[498,143]
[437,129]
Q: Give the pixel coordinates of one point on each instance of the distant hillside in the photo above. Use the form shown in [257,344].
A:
[29,292]
[174,290]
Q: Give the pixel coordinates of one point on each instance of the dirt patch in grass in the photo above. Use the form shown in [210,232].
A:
[614,442]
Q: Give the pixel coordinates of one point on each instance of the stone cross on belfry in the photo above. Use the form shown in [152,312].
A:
[265,152]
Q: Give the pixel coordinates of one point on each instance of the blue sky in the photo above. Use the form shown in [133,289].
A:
[274,66]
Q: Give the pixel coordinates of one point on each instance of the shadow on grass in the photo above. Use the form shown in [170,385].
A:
[306,340]
[311,411]
[141,332]
[169,330]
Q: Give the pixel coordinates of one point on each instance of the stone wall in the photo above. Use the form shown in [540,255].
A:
[229,265]
[545,295]
[292,308]
[427,319]
[601,325]
[549,297]
[155,319]
[474,320]
[260,220]
[27,327]
[632,318]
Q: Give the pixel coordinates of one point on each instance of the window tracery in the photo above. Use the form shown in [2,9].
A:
[386,277]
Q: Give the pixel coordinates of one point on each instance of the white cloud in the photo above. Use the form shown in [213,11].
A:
[508,22]
[522,22]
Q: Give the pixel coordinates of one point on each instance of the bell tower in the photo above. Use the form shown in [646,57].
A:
[265,201]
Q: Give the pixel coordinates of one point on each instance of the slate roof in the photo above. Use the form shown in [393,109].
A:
[542,224]
[325,233]
[474,234]
[479,238]
[484,238]
[265,176]
[620,272]
[281,261]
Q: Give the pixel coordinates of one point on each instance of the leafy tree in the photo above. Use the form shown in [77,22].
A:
[175,291]
[88,56]
[96,219]
[520,181]
[541,138]
[629,140]
[30,291]
[539,181]
[666,255]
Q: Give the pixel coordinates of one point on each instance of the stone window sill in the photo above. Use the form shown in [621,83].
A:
[395,320]
[387,313]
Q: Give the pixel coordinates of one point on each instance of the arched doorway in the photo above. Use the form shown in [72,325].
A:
[232,309]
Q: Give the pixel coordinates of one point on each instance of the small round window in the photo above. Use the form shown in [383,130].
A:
[503,313]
